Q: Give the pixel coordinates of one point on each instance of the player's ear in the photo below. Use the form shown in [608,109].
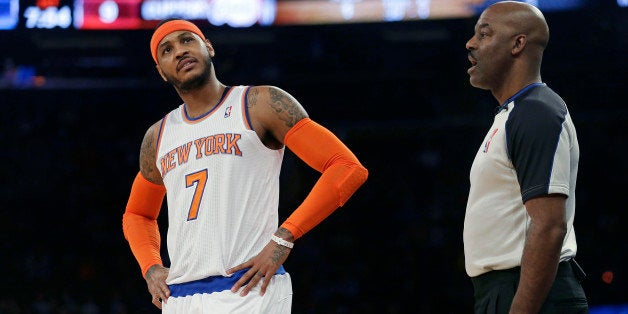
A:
[210,48]
[161,73]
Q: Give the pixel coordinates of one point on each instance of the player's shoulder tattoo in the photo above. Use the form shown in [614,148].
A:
[148,153]
[285,106]
[282,104]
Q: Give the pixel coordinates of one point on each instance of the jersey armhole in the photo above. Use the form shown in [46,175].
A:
[162,126]
[245,109]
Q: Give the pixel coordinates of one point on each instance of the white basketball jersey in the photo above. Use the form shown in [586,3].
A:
[222,188]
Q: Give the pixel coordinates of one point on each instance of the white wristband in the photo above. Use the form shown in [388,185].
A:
[282,242]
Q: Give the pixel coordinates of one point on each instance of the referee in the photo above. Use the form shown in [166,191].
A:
[519,240]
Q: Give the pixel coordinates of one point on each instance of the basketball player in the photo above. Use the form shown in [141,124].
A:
[519,240]
[218,157]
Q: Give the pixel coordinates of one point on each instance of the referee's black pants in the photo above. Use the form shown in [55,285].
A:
[495,290]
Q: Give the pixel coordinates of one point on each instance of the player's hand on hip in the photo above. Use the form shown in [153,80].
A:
[157,287]
[262,267]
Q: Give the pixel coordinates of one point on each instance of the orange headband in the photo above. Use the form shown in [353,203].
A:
[169,27]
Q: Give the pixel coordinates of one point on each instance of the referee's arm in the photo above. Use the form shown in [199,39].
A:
[541,252]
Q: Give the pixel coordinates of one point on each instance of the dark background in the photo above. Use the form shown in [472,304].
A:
[397,94]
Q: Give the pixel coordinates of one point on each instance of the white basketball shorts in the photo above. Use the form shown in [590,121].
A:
[276,300]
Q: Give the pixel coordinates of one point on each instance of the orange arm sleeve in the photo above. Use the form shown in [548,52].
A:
[342,174]
[139,222]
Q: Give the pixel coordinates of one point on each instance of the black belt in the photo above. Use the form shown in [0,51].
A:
[568,268]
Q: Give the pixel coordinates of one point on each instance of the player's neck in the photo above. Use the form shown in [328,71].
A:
[205,98]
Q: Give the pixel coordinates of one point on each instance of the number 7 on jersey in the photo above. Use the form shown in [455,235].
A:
[200,179]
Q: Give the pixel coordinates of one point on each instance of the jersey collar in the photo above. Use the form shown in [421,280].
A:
[511,99]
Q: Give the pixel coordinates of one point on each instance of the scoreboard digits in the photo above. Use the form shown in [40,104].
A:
[50,17]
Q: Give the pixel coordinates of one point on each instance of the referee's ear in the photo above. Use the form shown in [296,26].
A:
[519,44]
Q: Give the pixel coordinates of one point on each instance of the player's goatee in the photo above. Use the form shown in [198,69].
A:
[196,81]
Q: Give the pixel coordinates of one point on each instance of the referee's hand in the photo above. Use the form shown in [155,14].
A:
[156,281]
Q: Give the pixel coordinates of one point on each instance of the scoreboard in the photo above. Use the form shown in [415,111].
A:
[131,14]
[146,14]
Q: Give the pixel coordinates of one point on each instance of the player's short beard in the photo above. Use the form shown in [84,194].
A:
[194,82]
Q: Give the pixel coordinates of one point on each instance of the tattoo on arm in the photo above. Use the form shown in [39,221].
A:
[286,107]
[285,234]
[147,157]
[252,100]
[150,271]
[279,254]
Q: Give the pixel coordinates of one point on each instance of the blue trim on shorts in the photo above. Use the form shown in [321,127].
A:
[210,284]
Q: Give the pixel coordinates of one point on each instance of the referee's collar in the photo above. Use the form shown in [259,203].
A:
[511,99]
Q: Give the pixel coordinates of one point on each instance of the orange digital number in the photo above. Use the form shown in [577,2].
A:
[200,179]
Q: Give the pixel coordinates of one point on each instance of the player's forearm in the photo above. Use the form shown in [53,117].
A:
[332,190]
[342,174]
[139,222]
[144,239]
[539,263]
